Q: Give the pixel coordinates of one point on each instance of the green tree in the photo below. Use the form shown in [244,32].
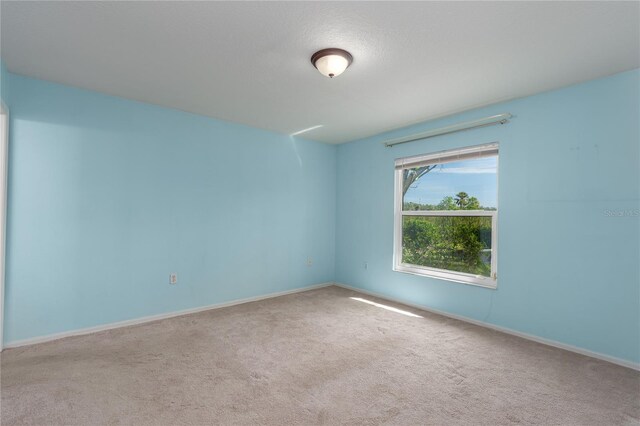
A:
[455,243]
[462,198]
[464,202]
[447,203]
[473,204]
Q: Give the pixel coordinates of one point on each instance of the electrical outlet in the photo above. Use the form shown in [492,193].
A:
[366,265]
[309,261]
[173,278]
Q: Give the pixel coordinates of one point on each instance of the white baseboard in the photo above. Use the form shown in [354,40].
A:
[135,321]
[126,323]
[549,342]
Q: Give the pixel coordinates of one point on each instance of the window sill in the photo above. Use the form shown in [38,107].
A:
[460,278]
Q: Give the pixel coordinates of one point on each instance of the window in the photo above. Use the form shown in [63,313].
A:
[446,210]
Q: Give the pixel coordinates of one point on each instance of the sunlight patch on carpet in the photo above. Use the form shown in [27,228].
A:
[388,308]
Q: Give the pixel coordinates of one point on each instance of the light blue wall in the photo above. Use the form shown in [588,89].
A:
[568,271]
[108,196]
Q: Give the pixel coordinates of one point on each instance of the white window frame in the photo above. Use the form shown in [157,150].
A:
[478,151]
[4,151]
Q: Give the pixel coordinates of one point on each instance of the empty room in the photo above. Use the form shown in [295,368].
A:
[319,213]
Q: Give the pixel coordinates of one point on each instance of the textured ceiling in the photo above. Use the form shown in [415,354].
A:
[249,63]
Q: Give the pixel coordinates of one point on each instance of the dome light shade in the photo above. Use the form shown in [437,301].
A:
[331,62]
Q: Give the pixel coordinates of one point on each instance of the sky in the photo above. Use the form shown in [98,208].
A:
[475,177]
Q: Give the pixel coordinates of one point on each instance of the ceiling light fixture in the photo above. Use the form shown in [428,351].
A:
[331,62]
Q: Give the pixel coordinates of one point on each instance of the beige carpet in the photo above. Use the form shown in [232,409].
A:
[317,357]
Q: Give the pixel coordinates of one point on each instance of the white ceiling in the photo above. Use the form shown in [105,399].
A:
[249,62]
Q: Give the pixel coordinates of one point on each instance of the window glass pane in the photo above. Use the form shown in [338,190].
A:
[461,185]
[454,243]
